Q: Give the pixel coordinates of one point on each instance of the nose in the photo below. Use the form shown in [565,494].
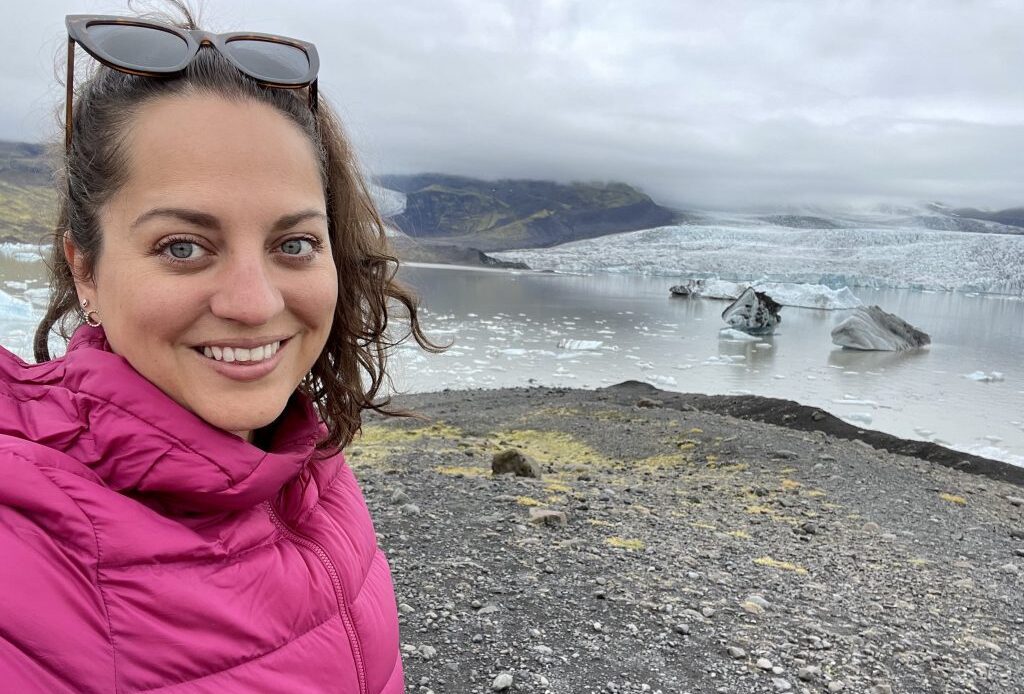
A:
[246,292]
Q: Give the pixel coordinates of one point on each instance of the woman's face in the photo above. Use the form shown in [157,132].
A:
[215,279]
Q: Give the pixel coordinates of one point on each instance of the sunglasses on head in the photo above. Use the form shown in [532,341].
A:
[143,47]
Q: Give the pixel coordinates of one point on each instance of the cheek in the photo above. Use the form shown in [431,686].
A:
[315,299]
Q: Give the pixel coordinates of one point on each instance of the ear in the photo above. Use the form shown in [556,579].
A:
[76,263]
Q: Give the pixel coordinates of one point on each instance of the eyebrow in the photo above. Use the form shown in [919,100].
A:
[209,221]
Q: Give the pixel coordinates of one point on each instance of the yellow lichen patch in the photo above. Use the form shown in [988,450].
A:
[757,509]
[661,462]
[376,442]
[814,492]
[712,458]
[598,521]
[552,447]
[918,562]
[705,526]
[741,534]
[557,487]
[527,501]
[464,470]
[695,430]
[953,498]
[733,468]
[781,565]
[790,484]
[625,543]
[554,499]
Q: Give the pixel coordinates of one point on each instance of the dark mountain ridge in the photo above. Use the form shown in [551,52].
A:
[524,213]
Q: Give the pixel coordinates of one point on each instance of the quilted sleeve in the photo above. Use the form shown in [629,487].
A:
[54,634]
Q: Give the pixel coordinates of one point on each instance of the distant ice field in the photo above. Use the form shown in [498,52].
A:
[739,249]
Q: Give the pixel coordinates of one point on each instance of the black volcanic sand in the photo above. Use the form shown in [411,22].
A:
[701,550]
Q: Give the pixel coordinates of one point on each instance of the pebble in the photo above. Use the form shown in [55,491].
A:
[836,686]
[400,498]
[502,682]
[410,509]
[781,684]
[808,673]
[870,527]
[736,652]
[764,663]
[1015,500]
[428,652]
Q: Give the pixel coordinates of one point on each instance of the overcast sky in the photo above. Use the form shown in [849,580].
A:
[704,104]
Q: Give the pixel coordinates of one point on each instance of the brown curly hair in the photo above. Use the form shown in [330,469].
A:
[360,339]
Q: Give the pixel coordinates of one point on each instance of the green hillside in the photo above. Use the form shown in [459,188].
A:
[27,198]
[498,215]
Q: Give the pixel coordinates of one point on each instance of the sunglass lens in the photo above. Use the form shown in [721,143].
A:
[138,46]
[274,62]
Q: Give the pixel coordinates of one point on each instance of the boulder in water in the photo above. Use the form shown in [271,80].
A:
[872,328]
[688,288]
[753,312]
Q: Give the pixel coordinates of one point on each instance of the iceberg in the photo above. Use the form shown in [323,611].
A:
[12,309]
[872,328]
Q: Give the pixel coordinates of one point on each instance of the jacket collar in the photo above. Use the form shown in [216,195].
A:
[144,444]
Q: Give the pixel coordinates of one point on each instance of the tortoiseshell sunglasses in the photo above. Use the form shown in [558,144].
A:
[143,47]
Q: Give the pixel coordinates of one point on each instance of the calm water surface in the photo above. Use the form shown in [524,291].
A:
[507,327]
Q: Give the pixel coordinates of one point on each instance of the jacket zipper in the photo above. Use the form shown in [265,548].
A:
[339,590]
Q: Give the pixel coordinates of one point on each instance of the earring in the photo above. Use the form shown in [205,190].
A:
[92,318]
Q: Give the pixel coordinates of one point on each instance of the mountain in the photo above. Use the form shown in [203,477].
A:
[27,199]
[506,214]
[1012,217]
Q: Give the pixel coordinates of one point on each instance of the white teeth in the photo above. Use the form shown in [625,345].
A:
[241,354]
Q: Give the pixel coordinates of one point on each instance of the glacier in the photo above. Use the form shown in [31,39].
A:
[877,254]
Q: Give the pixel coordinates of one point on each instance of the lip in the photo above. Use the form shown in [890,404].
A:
[245,372]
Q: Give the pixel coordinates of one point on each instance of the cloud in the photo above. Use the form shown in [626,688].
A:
[724,104]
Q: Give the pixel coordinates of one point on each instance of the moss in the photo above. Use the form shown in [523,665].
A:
[527,501]
[625,543]
[953,499]
[463,470]
[790,484]
[781,565]
[741,534]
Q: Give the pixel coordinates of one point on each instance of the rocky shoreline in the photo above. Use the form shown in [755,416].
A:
[675,543]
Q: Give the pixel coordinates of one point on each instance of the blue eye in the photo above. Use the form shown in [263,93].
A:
[181,249]
[297,247]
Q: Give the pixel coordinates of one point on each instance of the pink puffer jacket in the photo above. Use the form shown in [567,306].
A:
[142,549]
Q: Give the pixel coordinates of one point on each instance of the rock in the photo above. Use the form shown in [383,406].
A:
[809,673]
[753,312]
[514,461]
[545,516]
[1017,533]
[692,287]
[872,328]
[428,652]
[1015,500]
[648,403]
[764,663]
[870,527]
[683,629]
[783,454]
[400,498]
[502,682]
[836,686]
[736,652]
[781,684]
[410,509]
[817,415]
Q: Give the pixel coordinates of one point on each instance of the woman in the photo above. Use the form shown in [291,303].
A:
[175,509]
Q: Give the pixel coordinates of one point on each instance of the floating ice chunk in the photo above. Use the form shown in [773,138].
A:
[39,296]
[14,309]
[566,343]
[858,417]
[990,452]
[764,345]
[661,380]
[810,295]
[734,335]
[20,252]
[847,400]
[983,377]
[16,284]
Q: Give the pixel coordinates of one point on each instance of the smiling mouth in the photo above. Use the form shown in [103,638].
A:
[242,355]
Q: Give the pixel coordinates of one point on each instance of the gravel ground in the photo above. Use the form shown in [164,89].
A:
[667,548]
